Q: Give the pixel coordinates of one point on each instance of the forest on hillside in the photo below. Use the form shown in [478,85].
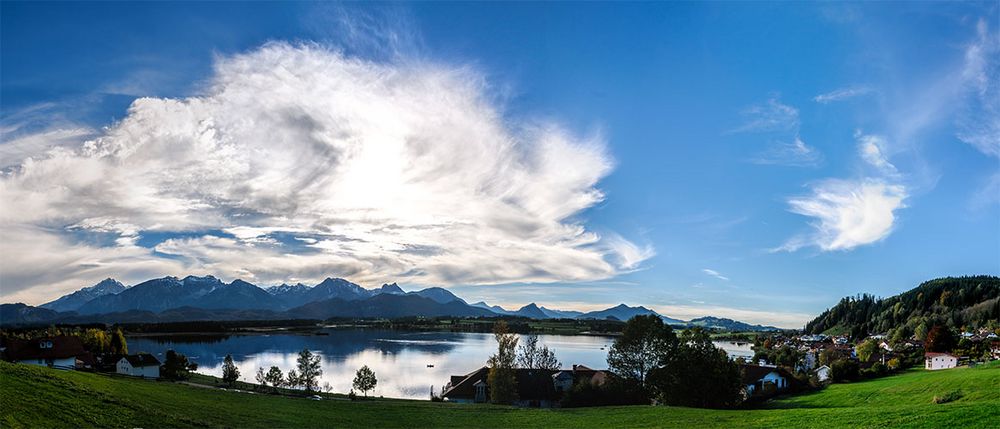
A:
[956,302]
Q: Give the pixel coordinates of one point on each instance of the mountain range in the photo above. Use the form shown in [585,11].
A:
[209,298]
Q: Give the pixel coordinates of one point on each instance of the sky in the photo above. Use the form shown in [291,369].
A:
[756,161]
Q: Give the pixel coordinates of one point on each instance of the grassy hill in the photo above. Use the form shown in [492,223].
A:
[32,396]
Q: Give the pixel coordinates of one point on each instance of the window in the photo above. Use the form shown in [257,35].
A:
[481,393]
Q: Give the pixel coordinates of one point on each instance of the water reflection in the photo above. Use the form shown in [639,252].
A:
[407,364]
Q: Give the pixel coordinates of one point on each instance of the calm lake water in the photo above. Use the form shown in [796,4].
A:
[400,359]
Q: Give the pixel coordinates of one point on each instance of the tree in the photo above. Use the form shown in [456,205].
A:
[645,344]
[696,374]
[501,379]
[274,377]
[176,366]
[844,370]
[899,336]
[531,356]
[118,344]
[921,331]
[230,373]
[828,356]
[261,378]
[292,380]
[96,341]
[866,350]
[939,339]
[309,370]
[365,380]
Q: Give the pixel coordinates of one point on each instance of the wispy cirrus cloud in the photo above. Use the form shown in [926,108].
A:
[794,154]
[714,273]
[843,94]
[779,119]
[979,119]
[387,171]
[770,116]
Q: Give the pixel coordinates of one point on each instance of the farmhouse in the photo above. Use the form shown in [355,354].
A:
[535,387]
[764,381]
[935,361]
[62,352]
[139,365]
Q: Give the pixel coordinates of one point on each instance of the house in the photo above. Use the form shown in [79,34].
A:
[764,380]
[564,380]
[62,352]
[934,361]
[822,373]
[142,365]
[535,387]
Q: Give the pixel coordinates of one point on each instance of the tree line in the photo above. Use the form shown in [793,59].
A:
[954,302]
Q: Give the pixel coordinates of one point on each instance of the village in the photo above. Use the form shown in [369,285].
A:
[783,364]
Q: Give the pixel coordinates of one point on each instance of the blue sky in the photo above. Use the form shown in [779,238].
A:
[748,160]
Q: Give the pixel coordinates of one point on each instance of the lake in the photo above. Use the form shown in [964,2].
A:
[400,359]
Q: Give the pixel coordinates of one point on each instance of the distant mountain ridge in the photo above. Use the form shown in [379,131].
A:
[728,324]
[77,299]
[209,298]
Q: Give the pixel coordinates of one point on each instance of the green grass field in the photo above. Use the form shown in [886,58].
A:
[32,396]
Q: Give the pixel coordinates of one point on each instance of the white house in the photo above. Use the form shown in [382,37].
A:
[935,361]
[822,373]
[756,378]
[141,365]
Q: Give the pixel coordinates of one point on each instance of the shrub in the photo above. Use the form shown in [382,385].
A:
[948,397]
[844,370]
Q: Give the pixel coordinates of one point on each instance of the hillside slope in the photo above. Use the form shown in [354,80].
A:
[950,301]
[33,396]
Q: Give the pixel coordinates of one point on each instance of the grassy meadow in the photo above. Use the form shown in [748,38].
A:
[32,396]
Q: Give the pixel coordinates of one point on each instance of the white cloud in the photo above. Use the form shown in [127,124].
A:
[979,120]
[872,150]
[13,150]
[794,154]
[715,274]
[771,116]
[847,213]
[842,94]
[774,117]
[401,171]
